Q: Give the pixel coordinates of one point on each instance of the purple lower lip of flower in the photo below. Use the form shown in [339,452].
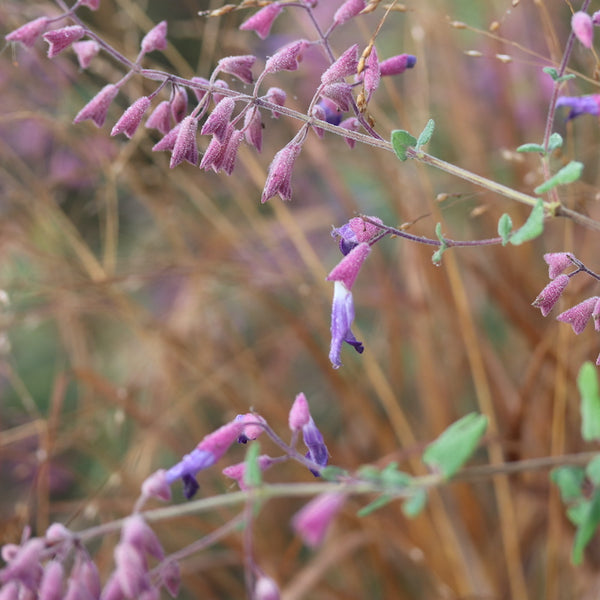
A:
[342,317]
[190,464]
[580,105]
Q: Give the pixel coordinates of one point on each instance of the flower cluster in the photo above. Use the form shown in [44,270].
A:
[579,315]
[229,116]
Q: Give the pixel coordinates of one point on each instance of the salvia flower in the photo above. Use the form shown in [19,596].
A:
[356,231]
[237,472]
[25,566]
[213,155]
[156,486]
[395,65]
[262,20]
[580,105]
[279,179]
[86,573]
[342,312]
[372,74]
[51,586]
[160,118]
[347,11]
[549,296]
[185,147]
[266,589]
[344,66]
[254,427]
[557,262]
[140,535]
[253,128]
[238,66]
[168,141]
[59,39]
[351,124]
[218,120]
[27,34]
[97,108]
[132,117]
[286,59]
[131,571]
[299,415]
[583,28]
[312,521]
[155,39]
[317,450]
[179,103]
[339,93]
[579,315]
[85,52]
[276,96]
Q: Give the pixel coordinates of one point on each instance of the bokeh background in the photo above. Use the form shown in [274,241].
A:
[142,307]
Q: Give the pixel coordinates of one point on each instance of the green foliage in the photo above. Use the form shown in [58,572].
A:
[555,141]
[426,134]
[531,148]
[401,142]
[587,519]
[415,503]
[587,382]
[332,473]
[532,228]
[568,174]
[504,228]
[555,76]
[569,481]
[449,452]
[252,474]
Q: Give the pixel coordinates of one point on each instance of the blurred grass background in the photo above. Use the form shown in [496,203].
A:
[142,307]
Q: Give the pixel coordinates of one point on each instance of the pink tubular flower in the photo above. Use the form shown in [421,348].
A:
[59,39]
[279,179]
[342,311]
[167,143]
[396,65]
[299,413]
[51,586]
[238,66]
[160,118]
[339,93]
[286,59]
[579,315]
[131,118]
[185,147]
[312,521]
[557,262]
[97,108]
[218,120]
[25,565]
[156,486]
[238,471]
[86,573]
[583,28]
[348,11]
[253,128]
[351,124]
[549,296]
[85,51]
[355,232]
[27,34]
[155,39]
[140,535]
[179,103]
[277,96]
[261,21]
[344,66]
[131,570]
[372,74]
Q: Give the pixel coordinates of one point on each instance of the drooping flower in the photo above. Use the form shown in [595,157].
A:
[347,11]
[218,120]
[313,520]
[185,147]
[160,118]
[580,105]
[395,65]
[351,124]
[131,118]
[59,39]
[27,34]
[286,59]
[238,66]
[85,51]
[557,262]
[339,93]
[262,20]
[97,108]
[313,439]
[344,66]
[238,471]
[549,296]
[372,74]
[579,315]
[253,128]
[179,103]
[583,28]
[342,311]
[279,179]
[155,39]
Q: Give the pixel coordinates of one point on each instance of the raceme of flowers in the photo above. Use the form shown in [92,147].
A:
[229,116]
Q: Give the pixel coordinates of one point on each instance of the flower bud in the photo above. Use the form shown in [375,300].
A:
[286,59]
[299,413]
[583,28]
[279,179]
[312,521]
[549,296]
[155,39]
[238,66]
[85,51]
[97,108]
[344,66]
[59,39]
[347,11]
[219,118]
[261,21]
[579,315]
[160,118]
[131,118]
[396,65]
[179,103]
[557,262]
[27,34]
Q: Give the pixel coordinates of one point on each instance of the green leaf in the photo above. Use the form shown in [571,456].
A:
[369,473]
[587,383]
[390,476]
[415,503]
[589,523]
[569,481]
[568,174]
[554,74]
[577,512]
[555,142]
[531,148]
[332,473]
[593,471]
[425,135]
[449,452]
[252,473]
[375,505]
[401,141]
[504,228]
[436,259]
[532,228]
